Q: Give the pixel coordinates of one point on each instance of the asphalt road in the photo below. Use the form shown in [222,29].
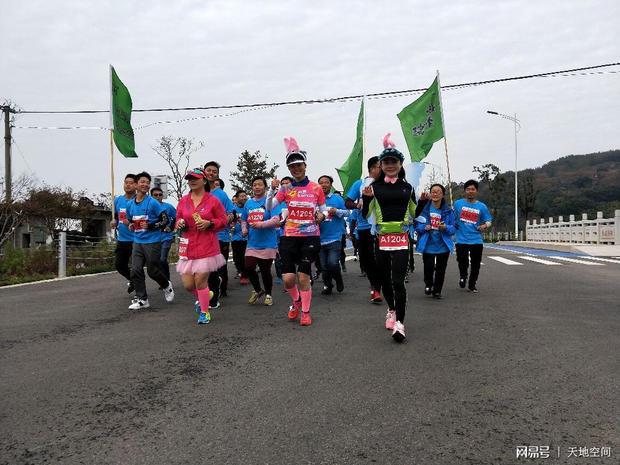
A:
[531,360]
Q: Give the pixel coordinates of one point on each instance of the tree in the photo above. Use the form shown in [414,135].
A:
[528,192]
[249,166]
[12,213]
[57,207]
[176,153]
[491,177]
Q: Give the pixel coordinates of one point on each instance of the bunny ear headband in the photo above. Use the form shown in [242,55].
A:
[293,154]
[390,150]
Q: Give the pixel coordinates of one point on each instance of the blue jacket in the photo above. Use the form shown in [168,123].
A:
[447,217]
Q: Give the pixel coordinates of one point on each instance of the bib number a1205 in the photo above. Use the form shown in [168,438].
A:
[301,214]
[393,241]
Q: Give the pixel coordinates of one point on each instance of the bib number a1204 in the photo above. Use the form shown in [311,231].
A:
[393,241]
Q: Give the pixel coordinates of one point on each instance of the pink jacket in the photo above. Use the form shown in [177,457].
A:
[202,244]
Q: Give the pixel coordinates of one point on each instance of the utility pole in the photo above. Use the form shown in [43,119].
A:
[7,110]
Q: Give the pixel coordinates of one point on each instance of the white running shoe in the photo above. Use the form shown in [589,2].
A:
[399,332]
[169,293]
[139,304]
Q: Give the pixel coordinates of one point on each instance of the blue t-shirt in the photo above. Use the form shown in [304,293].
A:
[468,217]
[435,243]
[172,218]
[277,211]
[237,232]
[224,234]
[120,209]
[141,214]
[332,228]
[355,193]
[266,238]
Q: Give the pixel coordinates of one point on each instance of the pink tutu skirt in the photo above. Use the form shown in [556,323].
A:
[201,265]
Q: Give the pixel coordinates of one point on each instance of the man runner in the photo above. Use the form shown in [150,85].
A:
[124,237]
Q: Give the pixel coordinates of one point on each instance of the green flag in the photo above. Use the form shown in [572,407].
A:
[121,117]
[351,170]
[421,122]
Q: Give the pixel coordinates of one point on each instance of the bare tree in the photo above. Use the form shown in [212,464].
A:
[176,152]
[12,213]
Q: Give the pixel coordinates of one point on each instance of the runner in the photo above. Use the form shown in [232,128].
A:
[435,228]
[146,218]
[239,242]
[218,282]
[124,237]
[366,242]
[389,202]
[331,236]
[167,235]
[472,219]
[261,228]
[301,243]
[200,215]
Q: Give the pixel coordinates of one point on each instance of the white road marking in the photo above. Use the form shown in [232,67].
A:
[538,260]
[505,261]
[600,259]
[574,260]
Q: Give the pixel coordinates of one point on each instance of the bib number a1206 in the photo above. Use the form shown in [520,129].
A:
[393,241]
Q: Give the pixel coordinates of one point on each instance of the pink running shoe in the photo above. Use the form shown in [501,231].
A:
[305,319]
[390,319]
[399,332]
[293,310]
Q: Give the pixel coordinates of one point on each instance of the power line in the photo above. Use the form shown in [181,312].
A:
[562,73]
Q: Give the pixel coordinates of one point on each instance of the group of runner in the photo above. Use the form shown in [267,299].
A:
[297,222]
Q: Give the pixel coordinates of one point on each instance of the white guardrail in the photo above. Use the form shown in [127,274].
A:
[584,231]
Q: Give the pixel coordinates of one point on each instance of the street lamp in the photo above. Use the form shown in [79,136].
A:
[517,128]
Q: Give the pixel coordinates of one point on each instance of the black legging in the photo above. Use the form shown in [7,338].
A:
[238,251]
[264,265]
[392,268]
[435,270]
[465,252]
[223,271]
[367,258]
[343,255]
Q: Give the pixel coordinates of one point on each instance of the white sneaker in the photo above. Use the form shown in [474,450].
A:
[139,304]
[169,293]
[399,332]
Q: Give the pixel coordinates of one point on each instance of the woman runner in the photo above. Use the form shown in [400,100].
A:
[261,228]
[199,217]
[388,203]
[435,227]
[300,244]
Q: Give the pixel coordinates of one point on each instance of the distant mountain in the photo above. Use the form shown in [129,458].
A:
[570,185]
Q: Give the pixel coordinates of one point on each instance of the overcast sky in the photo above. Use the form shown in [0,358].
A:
[55,56]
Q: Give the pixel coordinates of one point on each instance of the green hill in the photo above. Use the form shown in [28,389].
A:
[570,185]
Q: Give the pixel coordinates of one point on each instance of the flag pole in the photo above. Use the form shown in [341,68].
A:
[445,138]
[364,155]
[111,143]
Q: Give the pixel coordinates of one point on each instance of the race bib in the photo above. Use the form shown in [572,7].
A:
[299,214]
[183,243]
[140,223]
[256,215]
[470,215]
[435,220]
[393,241]
[122,214]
